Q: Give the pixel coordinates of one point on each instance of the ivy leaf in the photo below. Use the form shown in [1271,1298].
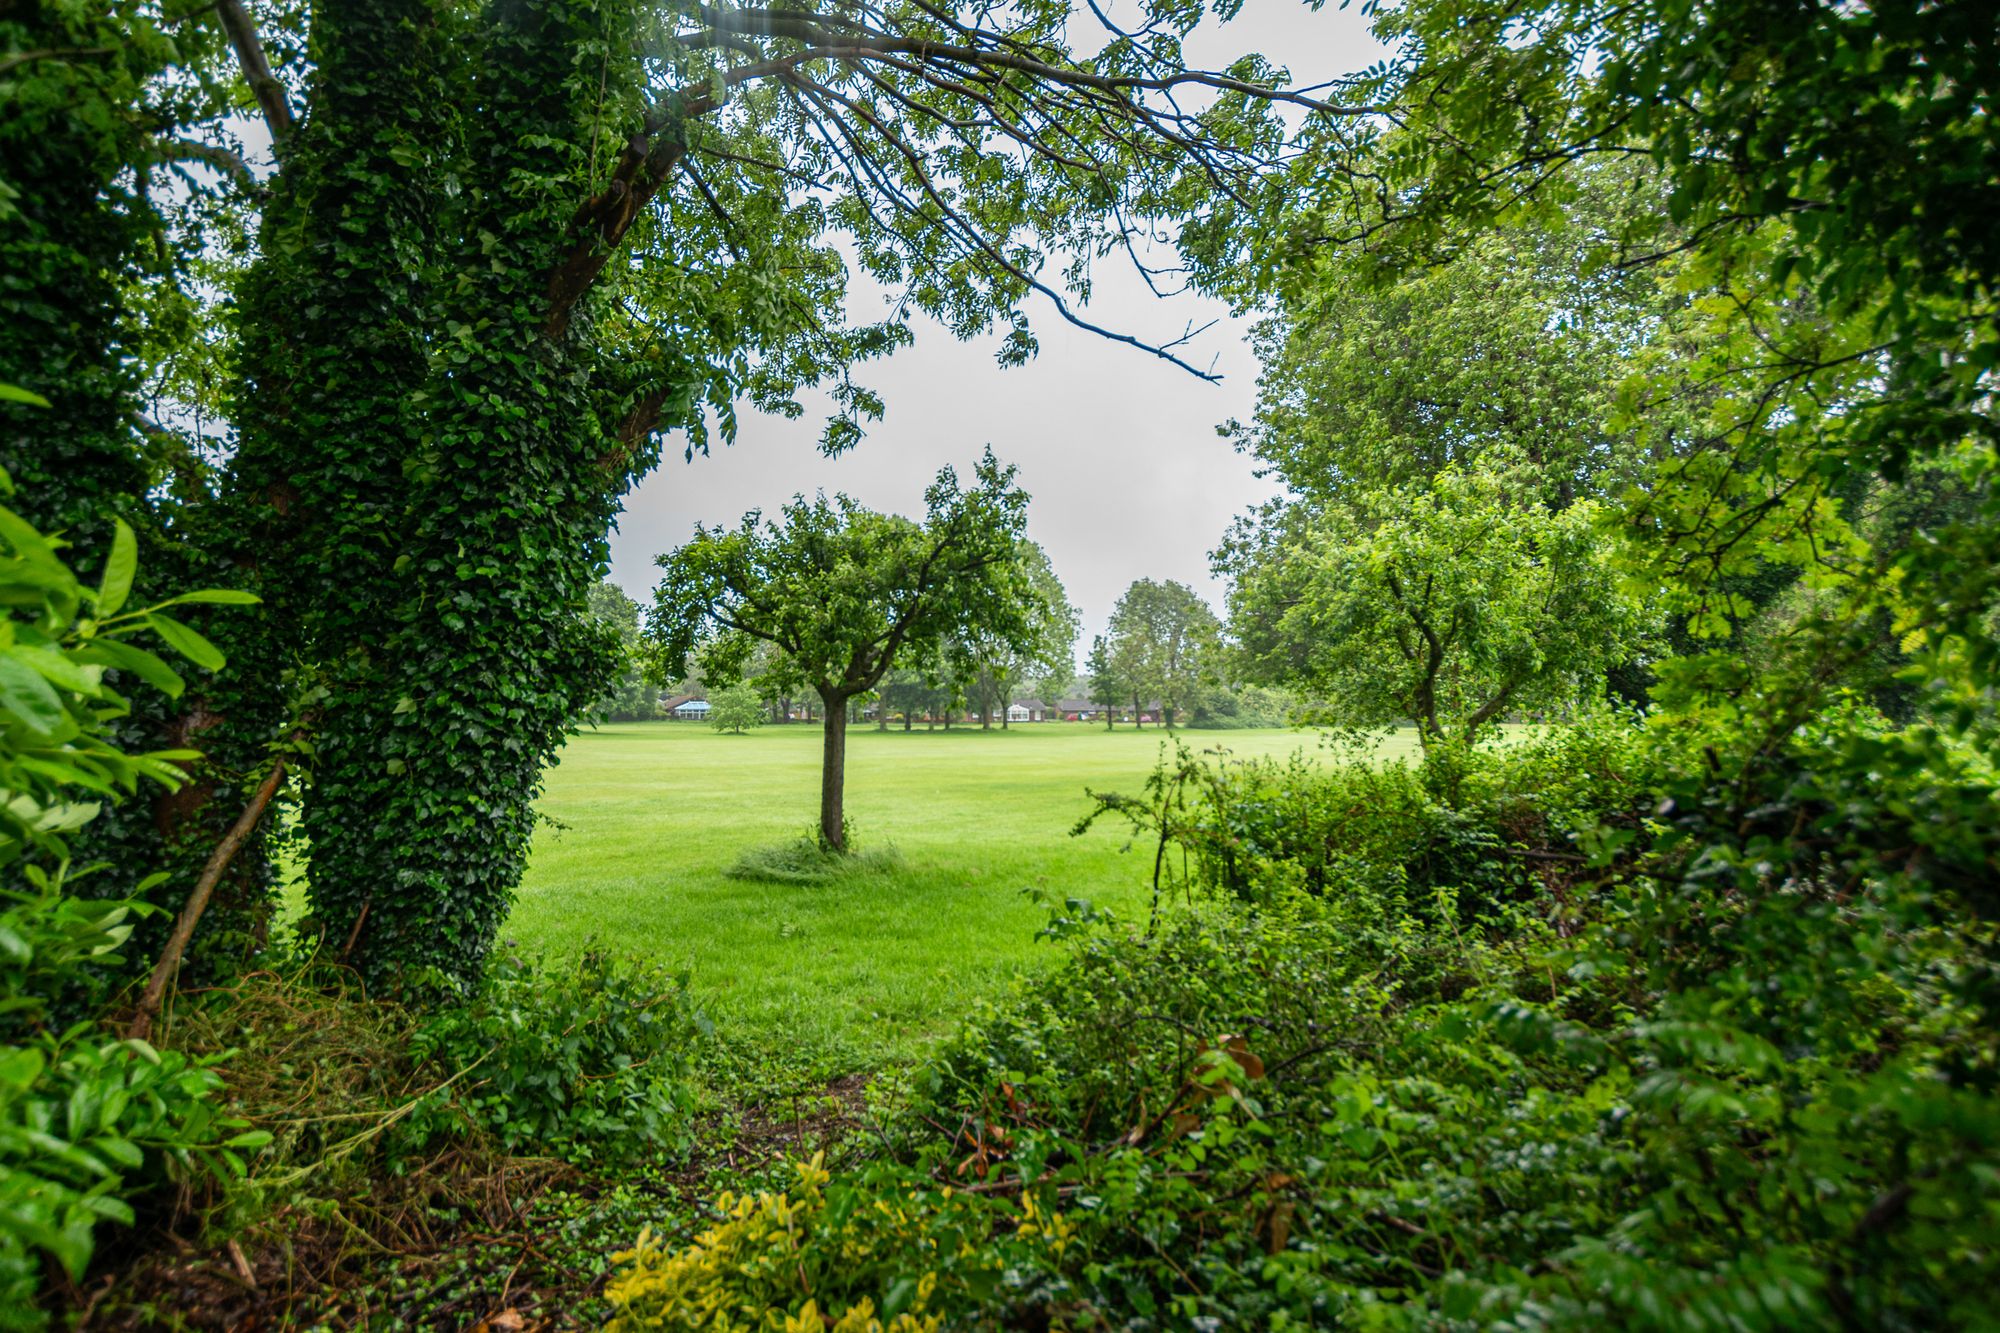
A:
[184,640]
[119,567]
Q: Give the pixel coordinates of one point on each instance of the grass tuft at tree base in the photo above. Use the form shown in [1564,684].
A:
[805,860]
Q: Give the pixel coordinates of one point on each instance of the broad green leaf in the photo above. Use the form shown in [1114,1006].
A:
[186,641]
[127,657]
[29,544]
[215,597]
[121,1151]
[20,1066]
[119,567]
[14,393]
[27,696]
[56,668]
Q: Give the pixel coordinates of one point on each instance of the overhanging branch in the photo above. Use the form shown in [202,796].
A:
[264,85]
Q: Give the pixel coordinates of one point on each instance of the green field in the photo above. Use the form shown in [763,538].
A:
[651,815]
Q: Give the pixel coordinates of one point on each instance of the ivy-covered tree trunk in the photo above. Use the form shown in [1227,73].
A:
[69,228]
[83,133]
[424,451]
[476,297]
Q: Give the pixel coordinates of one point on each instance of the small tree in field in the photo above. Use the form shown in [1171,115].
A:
[846,593]
[736,709]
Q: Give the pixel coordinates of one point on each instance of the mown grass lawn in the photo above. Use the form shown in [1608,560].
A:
[850,974]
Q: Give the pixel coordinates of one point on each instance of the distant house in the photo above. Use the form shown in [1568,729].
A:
[688,709]
[1089,710]
[1027,710]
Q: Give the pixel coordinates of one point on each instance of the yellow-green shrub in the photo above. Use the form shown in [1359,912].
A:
[874,1257]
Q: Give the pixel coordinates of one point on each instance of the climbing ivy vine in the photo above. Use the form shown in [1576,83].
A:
[111,163]
[505,250]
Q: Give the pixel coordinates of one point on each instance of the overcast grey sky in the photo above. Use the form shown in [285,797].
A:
[1117,447]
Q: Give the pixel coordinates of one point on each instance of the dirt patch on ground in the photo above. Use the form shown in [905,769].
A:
[798,1126]
[514,1247]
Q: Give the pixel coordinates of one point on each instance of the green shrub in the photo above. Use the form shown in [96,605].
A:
[88,1126]
[588,1059]
[887,1252]
[737,709]
[1476,827]
[1729,1068]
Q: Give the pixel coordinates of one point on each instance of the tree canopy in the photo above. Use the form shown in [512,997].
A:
[846,593]
[1448,601]
[1163,644]
[504,251]
[993,671]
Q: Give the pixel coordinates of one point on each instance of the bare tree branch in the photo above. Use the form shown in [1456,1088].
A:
[264,85]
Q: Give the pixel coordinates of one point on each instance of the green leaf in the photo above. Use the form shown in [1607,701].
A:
[13,393]
[216,597]
[20,1066]
[25,694]
[184,640]
[119,567]
[121,1151]
[126,657]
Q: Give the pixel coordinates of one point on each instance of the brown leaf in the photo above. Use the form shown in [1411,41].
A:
[1280,1228]
[507,1321]
[1239,1050]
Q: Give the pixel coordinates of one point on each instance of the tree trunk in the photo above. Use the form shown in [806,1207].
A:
[1138,713]
[833,776]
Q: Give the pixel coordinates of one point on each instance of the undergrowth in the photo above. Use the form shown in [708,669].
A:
[1557,1038]
[414,1158]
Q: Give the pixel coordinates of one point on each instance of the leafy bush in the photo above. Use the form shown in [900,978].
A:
[892,1253]
[587,1059]
[1478,823]
[1728,1068]
[88,1126]
[736,709]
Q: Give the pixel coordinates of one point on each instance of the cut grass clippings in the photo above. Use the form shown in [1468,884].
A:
[804,861]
